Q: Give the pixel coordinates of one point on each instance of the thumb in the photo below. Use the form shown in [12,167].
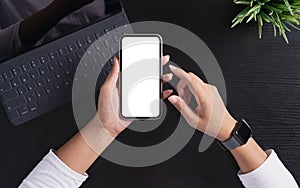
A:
[185,110]
[113,76]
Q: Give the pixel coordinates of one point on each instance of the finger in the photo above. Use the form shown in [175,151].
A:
[181,86]
[185,91]
[165,59]
[180,73]
[113,76]
[166,93]
[184,109]
[167,78]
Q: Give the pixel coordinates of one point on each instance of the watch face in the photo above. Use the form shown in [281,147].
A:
[243,131]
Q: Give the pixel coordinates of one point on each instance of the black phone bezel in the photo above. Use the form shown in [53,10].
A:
[160,74]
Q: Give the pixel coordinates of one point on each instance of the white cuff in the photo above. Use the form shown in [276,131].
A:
[63,168]
[271,174]
[52,172]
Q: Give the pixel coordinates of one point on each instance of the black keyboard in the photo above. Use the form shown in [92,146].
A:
[40,80]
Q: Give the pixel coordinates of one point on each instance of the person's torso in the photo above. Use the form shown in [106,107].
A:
[13,11]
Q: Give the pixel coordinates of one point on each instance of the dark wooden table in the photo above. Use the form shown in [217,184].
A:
[263,85]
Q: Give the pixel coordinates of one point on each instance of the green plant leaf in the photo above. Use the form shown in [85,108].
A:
[288,6]
[260,25]
[242,2]
[282,14]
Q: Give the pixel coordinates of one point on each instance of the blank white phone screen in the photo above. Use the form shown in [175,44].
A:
[140,76]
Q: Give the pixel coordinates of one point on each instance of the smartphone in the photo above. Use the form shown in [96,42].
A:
[140,76]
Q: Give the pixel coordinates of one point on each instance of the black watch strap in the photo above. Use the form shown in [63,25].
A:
[231,143]
[239,136]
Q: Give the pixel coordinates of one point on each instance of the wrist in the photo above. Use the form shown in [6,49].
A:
[96,135]
[227,127]
[249,156]
[112,128]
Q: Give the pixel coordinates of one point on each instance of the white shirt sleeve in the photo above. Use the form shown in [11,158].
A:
[271,174]
[10,42]
[52,172]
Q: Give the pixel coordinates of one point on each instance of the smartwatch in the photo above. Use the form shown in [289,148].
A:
[239,136]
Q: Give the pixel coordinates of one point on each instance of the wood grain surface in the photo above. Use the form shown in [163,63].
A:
[263,85]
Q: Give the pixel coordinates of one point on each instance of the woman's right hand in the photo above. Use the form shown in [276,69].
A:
[210,115]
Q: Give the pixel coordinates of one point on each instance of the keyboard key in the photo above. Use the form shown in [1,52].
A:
[8,95]
[34,63]
[13,115]
[89,40]
[67,82]
[71,47]
[113,50]
[40,92]
[24,78]
[32,106]
[7,75]
[57,74]
[31,86]
[79,53]
[22,90]
[31,97]
[49,89]
[52,55]
[43,59]
[62,62]
[116,38]
[107,67]
[34,74]
[16,71]
[85,63]
[95,70]
[62,51]
[52,65]
[68,71]
[90,50]
[25,67]
[15,82]
[80,43]
[40,82]
[23,110]
[57,85]
[71,58]
[108,30]
[49,78]
[44,69]
[1,78]
[96,59]
[15,103]
[98,46]
[4,86]
[105,53]
[99,34]
[108,42]
[111,61]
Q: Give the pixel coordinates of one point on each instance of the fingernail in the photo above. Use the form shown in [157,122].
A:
[168,77]
[170,90]
[172,99]
[172,67]
[168,57]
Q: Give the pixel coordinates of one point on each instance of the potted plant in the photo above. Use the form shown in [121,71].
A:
[282,14]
